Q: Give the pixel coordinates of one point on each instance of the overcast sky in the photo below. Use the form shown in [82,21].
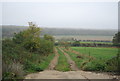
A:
[88,15]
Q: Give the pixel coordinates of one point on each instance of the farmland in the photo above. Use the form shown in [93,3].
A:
[60,40]
[97,52]
[91,58]
[72,54]
[83,37]
[74,59]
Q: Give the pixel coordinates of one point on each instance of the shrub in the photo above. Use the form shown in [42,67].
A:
[31,67]
[76,43]
[95,65]
[12,71]
[113,64]
[25,51]
[46,47]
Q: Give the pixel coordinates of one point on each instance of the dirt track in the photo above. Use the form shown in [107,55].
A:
[50,73]
[70,61]
[54,62]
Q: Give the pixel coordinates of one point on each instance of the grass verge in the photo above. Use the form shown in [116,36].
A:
[46,61]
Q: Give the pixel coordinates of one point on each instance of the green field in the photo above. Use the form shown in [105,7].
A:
[96,43]
[97,52]
[86,42]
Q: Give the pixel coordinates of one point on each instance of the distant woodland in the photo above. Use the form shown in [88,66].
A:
[9,30]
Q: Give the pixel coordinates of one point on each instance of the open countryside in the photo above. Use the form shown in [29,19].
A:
[58,58]
[60,40]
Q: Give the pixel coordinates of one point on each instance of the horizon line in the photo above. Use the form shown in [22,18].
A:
[63,27]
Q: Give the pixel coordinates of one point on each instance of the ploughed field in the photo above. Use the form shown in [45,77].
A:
[78,63]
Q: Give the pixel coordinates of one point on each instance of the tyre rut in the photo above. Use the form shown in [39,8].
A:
[70,61]
[54,62]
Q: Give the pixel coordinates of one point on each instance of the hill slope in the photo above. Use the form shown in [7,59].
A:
[9,30]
